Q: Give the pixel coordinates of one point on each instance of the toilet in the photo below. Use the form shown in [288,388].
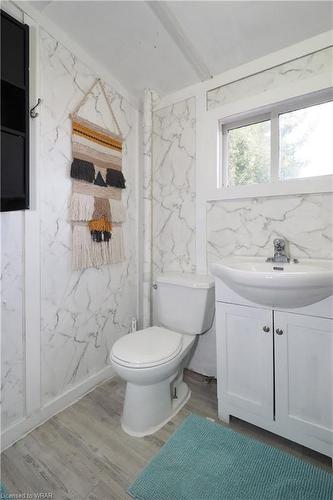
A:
[152,360]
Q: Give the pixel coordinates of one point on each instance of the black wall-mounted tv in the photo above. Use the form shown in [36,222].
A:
[14,114]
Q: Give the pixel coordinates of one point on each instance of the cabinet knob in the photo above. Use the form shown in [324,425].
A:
[266,329]
[278,331]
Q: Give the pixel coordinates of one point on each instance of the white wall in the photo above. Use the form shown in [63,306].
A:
[81,313]
[174,188]
[277,77]
[238,226]
[248,227]
[12,320]
[12,309]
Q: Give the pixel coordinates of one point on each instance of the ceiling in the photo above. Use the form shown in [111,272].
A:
[169,45]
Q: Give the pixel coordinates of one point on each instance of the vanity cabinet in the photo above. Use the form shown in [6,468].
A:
[304,375]
[275,370]
[245,343]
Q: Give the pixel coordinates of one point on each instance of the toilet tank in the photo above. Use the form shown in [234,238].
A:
[185,302]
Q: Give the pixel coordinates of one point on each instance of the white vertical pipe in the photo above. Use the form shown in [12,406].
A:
[147,205]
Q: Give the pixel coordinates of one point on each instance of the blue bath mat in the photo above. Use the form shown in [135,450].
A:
[4,493]
[206,461]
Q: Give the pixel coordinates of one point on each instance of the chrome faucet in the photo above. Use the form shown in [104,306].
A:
[280,253]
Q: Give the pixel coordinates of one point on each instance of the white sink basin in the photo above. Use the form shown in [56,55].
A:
[277,284]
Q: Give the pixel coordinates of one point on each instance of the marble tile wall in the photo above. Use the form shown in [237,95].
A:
[173,239]
[234,227]
[84,312]
[284,74]
[248,227]
[12,328]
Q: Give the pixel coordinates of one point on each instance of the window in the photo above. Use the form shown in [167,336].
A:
[279,145]
[306,142]
[249,153]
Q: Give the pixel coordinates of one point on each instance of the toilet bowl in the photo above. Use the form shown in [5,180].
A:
[152,360]
[153,393]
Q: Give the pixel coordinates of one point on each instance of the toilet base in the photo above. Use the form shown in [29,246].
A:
[166,407]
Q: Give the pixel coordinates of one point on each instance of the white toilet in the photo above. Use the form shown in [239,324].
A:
[152,360]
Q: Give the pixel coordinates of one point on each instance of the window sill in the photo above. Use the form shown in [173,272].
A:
[311,185]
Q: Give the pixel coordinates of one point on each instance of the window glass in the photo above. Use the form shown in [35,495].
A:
[249,153]
[306,145]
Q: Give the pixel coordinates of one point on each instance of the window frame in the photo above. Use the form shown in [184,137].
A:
[271,113]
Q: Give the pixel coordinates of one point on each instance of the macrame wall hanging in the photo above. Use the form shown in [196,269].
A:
[96,208]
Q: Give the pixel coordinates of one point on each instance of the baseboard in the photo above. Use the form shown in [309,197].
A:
[22,427]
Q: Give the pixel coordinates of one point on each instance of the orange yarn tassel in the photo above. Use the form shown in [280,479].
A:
[101,224]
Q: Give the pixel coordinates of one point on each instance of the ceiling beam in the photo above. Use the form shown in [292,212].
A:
[184,44]
[45,4]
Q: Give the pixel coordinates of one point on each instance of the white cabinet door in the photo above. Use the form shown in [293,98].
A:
[244,339]
[304,377]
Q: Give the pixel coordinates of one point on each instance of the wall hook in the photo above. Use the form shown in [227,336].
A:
[33,112]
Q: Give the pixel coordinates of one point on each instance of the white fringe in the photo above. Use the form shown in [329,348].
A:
[117,244]
[88,253]
[82,247]
[118,212]
[81,207]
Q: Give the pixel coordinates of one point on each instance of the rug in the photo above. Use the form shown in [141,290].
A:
[205,461]
[4,495]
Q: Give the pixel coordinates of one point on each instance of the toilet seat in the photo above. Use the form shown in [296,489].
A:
[148,348]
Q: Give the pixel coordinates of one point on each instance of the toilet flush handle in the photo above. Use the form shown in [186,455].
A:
[154,285]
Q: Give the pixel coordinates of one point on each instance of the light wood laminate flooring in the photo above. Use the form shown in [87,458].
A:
[83,454]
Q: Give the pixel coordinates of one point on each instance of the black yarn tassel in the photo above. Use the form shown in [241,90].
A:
[99,181]
[115,178]
[83,170]
[97,236]
[106,236]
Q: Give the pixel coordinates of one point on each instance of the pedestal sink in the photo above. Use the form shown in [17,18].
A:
[276,284]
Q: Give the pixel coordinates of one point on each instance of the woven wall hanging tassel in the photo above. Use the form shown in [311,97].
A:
[117,244]
[99,181]
[115,178]
[82,247]
[106,252]
[100,229]
[97,254]
[81,207]
[83,170]
[100,226]
[107,236]
[101,209]
[118,212]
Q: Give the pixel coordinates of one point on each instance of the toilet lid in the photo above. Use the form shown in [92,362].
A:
[149,347]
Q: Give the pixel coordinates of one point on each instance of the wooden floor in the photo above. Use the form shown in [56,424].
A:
[82,453]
